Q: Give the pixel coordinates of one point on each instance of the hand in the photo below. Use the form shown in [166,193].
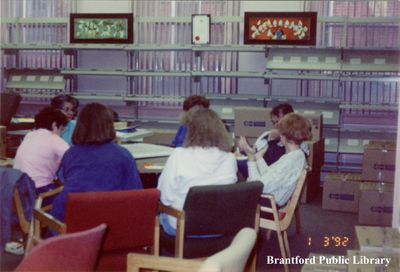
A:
[245,147]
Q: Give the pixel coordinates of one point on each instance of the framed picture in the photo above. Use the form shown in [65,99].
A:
[288,28]
[101,28]
[201,26]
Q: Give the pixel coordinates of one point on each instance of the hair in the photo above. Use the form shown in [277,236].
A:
[282,109]
[205,129]
[94,125]
[295,128]
[59,101]
[195,100]
[47,116]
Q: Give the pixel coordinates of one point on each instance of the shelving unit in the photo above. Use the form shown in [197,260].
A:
[340,67]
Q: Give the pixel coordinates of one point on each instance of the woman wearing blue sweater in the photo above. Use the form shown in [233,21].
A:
[95,163]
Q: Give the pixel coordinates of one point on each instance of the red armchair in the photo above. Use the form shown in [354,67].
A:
[131,217]
[74,252]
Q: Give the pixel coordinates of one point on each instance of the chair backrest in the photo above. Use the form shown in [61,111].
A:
[221,209]
[231,259]
[130,215]
[292,203]
[73,252]
[9,106]
[234,257]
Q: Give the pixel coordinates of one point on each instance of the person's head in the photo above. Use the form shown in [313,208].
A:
[67,104]
[95,125]
[205,129]
[294,128]
[279,111]
[52,119]
[195,100]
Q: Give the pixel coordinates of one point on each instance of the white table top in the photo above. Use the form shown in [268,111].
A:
[142,150]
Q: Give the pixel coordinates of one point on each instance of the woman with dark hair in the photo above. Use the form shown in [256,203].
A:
[41,151]
[280,177]
[69,106]
[95,163]
[205,159]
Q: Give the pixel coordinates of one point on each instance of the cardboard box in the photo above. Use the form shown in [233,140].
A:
[379,160]
[317,262]
[375,206]
[360,261]
[251,122]
[376,239]
[341,192]
[317,127]
[160,136]
[3,141]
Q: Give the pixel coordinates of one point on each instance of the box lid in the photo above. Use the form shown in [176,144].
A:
[381,145]
[343,177]
[375,186]
[378,238]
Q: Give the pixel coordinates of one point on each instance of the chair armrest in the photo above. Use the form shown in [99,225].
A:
[273,207]
[170,211]
[180,227]
[48,220]
[42,196]
[137,261]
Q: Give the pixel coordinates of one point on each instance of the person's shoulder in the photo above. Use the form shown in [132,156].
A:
[120,150]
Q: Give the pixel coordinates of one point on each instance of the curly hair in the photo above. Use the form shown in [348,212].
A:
[195,100]
[205,129]
[295,128]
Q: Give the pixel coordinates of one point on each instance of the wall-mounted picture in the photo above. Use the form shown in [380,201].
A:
[101,28]
[289,28]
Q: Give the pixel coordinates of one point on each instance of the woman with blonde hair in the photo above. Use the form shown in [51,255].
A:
[280,177]
[204,159]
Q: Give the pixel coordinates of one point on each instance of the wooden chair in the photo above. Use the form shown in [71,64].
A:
[231,259]
[282,218]
[25,223]
[217,210]
[73,252]
[131,217]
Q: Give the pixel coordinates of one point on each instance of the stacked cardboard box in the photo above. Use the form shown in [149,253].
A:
[251,122]
[376,204]
[376,239]
[376,195]
[361,261]
[379,161]
[341,192]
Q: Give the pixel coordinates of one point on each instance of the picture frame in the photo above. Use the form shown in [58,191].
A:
[201,28]
[101,28]
[280,28]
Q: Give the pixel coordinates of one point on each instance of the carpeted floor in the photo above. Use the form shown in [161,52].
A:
[315,224]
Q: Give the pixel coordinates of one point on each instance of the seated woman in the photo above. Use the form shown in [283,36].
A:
[69,106]
[193,101]
[95,163]
[205,159]
[280,177]
[41,151]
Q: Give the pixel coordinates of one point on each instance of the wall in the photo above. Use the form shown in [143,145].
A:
[396,204]
[257,61]
[96,6]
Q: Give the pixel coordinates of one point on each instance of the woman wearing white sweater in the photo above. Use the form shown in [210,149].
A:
[280,177]
[204,159]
